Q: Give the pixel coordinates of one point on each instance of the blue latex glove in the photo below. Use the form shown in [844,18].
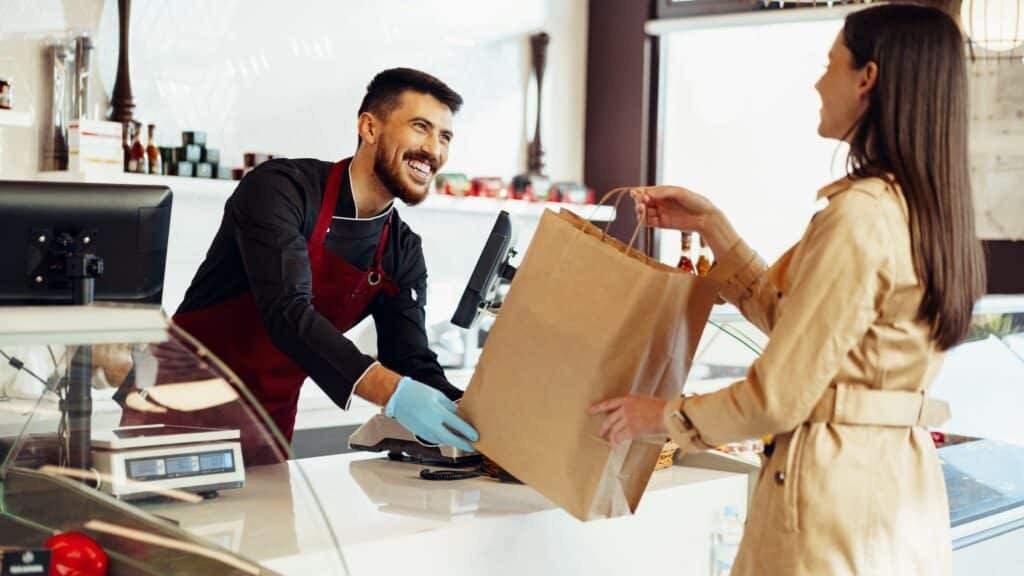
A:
[426,411]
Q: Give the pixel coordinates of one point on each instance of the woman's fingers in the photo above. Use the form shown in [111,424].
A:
[610,422]
[620,432]
[606,405]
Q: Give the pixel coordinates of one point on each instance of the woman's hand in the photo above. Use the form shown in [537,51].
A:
[111,364]
[630,417]
[677,208]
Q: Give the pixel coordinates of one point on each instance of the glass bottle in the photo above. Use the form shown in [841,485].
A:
[684,256]
[126,144]
[704,260]
[153,153]
[137,161]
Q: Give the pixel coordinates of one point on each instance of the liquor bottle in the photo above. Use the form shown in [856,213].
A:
[703,261]
[137,161]
[684,256]
[126,144]
[153,153]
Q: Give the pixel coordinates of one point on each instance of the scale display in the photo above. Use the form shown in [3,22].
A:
[179,466]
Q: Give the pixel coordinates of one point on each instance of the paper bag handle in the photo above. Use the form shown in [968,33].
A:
[619,193]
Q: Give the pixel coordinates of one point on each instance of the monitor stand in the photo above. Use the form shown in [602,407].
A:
[82,270]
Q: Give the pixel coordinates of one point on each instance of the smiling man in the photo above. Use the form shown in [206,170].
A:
[307,249]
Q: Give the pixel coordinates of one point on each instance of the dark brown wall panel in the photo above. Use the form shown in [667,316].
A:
[619,79]
[1005,260]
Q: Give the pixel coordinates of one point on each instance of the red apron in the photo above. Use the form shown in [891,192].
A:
[234,331]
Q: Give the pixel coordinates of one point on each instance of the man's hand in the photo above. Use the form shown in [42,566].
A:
[630,417]
[428,414]
[111,364]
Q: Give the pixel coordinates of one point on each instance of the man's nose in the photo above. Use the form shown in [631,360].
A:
[432,145]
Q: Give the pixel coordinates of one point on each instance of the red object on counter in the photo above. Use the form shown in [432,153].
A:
[452,184]
[571,192]
[75,554]
[488,187]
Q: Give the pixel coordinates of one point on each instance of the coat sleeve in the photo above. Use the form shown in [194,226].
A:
[402,342]
[840,275]
[747,285]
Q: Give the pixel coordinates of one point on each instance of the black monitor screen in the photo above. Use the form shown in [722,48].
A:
[489,269]
[125,226]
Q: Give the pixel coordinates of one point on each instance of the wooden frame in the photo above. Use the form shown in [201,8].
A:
[683,8]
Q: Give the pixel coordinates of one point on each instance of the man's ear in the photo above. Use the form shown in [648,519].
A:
[868,78]
[369,127]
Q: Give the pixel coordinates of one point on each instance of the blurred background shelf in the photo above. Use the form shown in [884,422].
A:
[434,202]
[177,184]
[14,118]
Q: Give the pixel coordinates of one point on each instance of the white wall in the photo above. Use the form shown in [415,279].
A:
[26,27]
[287,77]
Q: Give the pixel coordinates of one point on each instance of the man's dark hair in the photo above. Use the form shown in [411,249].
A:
[384,90]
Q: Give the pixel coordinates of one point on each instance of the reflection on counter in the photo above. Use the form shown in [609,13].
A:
[396,488]
[983,477]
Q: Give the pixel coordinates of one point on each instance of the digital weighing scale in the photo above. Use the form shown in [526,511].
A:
[139,461]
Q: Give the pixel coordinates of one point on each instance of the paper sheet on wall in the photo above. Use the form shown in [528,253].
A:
[997,147]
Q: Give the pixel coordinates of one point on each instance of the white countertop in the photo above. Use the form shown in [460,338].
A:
[386,520]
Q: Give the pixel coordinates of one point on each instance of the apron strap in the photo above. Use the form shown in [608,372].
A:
[382,242]
[323,221]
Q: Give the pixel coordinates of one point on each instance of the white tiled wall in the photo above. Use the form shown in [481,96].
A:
[287,77]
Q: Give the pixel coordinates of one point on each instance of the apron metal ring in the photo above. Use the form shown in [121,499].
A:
[374,278]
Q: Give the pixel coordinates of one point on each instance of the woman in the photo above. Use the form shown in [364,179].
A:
[859,312]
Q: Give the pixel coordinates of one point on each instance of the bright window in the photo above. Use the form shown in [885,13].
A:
[741,117]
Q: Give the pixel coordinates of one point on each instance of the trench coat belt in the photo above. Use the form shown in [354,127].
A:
[857,405]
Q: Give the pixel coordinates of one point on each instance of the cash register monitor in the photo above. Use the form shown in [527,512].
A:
[44,224]
[492,267]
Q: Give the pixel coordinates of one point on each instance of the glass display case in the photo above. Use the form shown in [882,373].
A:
[117,425]
[183,472]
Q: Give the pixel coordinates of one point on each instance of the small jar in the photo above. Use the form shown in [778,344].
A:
[6,95]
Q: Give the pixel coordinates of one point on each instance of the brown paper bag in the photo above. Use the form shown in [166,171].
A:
[586,319]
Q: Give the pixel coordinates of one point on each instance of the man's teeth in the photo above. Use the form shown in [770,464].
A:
[421,167]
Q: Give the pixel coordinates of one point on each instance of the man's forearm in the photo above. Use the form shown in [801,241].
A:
[377,385]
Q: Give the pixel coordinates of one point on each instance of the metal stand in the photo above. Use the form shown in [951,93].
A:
[82,270]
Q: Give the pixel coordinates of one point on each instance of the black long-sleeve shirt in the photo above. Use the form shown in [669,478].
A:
[261,246]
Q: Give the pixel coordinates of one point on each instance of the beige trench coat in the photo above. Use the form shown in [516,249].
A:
[853,486]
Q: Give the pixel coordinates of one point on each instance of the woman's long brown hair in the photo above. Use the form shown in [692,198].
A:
[915,131]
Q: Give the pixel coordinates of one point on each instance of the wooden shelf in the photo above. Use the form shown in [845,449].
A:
[434,202]
[179,185]
[520,208]
[14,118]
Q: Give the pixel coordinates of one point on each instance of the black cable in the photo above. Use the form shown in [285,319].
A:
[62,424]
[428,474]
[19,365]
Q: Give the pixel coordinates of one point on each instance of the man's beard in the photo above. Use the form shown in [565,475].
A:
[391,179]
